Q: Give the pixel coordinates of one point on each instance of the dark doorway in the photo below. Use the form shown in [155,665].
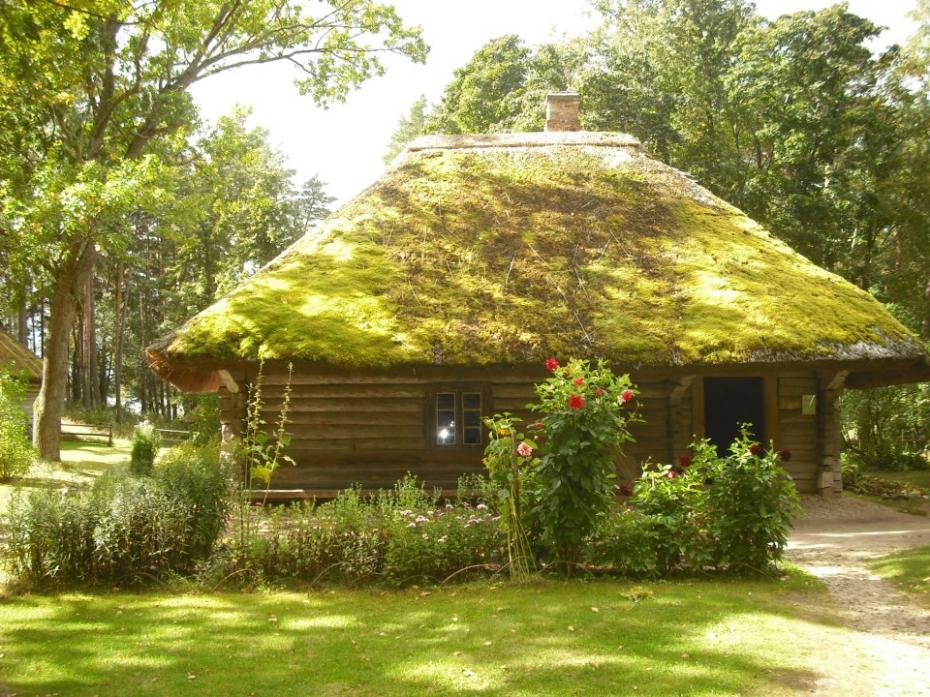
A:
[729,402]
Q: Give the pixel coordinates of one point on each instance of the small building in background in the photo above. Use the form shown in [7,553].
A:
[19,360]
[434,298]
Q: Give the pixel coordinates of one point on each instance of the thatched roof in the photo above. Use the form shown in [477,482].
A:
[506,249]
[15,356]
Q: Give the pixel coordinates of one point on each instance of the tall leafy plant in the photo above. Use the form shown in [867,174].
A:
[508,457]
[585,415]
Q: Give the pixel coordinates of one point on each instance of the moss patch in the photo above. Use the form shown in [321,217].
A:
[508,255]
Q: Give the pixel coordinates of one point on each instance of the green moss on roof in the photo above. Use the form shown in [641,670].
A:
[480,255]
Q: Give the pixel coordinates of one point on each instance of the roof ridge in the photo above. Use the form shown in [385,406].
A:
[525,140]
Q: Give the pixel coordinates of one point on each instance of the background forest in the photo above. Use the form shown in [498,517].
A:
[797,120]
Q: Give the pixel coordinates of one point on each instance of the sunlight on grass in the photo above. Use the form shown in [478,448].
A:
[910,570]
[540,638]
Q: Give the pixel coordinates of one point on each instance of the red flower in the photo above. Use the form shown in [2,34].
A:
[536,425]
[626,490]
[626,395]
[576,401]
[755,449]
[784,454]
[671,474]
[579,381]
[552,365]
[684,461]
[598,392]
[524,449]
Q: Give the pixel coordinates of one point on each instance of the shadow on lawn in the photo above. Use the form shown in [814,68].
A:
[540,639]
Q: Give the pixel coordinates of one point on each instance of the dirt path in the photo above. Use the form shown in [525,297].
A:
[833,541]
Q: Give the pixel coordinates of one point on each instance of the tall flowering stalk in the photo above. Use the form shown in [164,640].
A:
[508,456]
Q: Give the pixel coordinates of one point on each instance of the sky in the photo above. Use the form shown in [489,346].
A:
[345,143]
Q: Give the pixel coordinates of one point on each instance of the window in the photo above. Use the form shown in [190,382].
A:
[458,418]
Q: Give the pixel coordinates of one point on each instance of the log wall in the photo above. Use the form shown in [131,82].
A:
[373,430]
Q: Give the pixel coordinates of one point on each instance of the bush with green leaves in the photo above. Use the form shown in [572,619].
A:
[400,536]
[703,512]
[585,412]
[888,428]
[123,531]
[16,452]
[145,444]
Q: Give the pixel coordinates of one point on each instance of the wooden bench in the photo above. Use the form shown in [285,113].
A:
[172,435]
[81,431]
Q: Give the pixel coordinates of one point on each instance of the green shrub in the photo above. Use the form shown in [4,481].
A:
[145,444]
[585,413]
[16,452]
[749,508]
[400,536]
[123,530]
[703,512]
[627,542]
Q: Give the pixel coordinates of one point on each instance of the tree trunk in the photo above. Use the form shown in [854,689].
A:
[77,265]
[118,343]
[22,321]
[88,346]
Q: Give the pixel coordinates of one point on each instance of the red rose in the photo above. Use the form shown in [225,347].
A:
[579,381]
[598,392]
[755,449]
[784,454]
[552,365]
[671,474]
[684,461]
[576,401]
[626,490]
[626,395]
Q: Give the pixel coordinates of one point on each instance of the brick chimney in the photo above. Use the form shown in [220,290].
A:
[562,111]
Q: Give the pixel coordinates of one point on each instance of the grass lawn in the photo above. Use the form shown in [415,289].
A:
[910,570]
[919,478]
[542,638]
[81,463]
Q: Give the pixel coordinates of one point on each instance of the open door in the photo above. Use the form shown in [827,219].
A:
[729,402]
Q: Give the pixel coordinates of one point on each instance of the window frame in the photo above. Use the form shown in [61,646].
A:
[432,415]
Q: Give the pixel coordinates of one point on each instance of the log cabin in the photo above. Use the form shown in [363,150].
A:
[435,296]
[19,360]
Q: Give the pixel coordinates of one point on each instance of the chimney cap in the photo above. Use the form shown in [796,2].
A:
[562,111]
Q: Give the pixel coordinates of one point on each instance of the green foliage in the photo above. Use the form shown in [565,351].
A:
[408,128]
[749,507]
[16,453]
[585,412]
[887,428]
[124,530]
[703,512]
[262,453]
[204,418]
[400,536]
[145,445]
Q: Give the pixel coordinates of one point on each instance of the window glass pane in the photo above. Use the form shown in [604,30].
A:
[445,401]
[471,419]
[472,436]
[445,427]
[471,400]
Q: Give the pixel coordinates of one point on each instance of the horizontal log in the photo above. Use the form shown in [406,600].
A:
[307,432]
[351,391]
[412,406]
[349,418]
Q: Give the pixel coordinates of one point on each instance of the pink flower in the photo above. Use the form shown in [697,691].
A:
[671,474]
[576,401]
[598,392]
[536,425]
[524,449]
[626,396]
[552,365]
[579,381]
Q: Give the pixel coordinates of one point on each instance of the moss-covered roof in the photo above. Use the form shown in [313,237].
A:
[506,249]
[15,356]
